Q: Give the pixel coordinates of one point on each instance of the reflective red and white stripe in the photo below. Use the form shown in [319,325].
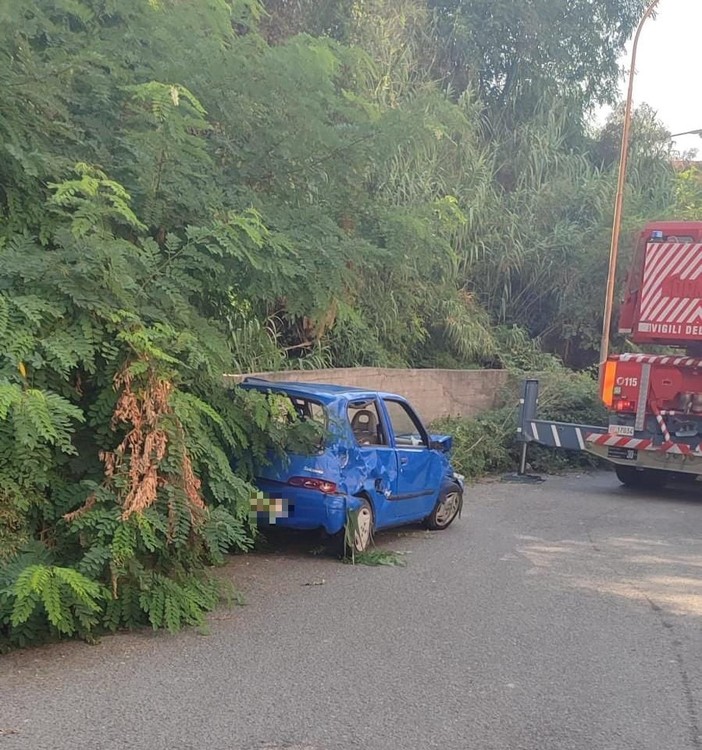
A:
[682,449]
[658,359]
[664,260]
[617,441]
[640,444]
[661,423]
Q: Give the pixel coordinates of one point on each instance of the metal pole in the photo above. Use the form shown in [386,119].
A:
[528,403]
[523,460]
[619,197]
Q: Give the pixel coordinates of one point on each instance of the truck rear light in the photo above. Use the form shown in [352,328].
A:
[312,483]
[622,404]
[607,393]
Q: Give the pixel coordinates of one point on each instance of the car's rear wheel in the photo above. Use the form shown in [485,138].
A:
[358,533]
[446,509]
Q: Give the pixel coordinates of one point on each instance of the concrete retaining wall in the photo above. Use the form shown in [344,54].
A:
[433,393]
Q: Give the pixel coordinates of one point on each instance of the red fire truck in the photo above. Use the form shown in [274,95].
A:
[654,399]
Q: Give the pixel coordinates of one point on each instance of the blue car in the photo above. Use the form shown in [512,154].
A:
[375,462]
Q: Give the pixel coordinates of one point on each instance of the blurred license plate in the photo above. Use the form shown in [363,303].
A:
[621,429]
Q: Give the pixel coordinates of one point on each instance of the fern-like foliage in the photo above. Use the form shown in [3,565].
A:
[42,600]
[223,532]
[171,603]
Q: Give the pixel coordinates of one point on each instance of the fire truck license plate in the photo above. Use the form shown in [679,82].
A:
[626,454]
[621,429]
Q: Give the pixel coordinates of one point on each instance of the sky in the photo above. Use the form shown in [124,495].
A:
[669,68]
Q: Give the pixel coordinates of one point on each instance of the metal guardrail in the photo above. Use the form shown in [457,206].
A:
[544,431]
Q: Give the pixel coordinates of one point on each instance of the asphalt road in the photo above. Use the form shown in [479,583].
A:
[553,617]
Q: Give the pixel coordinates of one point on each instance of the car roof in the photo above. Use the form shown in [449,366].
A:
[324,392]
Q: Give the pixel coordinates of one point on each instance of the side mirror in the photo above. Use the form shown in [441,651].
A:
[441,443]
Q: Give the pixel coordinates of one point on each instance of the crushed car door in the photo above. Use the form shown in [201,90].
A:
[375,464]
[419,468]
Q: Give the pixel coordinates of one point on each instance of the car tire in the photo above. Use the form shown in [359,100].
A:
[363,535]
[447,507]
[647,479]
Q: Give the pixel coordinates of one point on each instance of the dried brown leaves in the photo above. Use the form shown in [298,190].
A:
[155,435]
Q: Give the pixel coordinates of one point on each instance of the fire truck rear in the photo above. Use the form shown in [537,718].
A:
[654,399]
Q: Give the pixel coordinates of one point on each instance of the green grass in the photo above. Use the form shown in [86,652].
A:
[377,557]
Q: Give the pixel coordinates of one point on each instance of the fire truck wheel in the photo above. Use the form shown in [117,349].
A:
[641,479]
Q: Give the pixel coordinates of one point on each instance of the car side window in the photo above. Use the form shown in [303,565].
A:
[366,424]
[408,430]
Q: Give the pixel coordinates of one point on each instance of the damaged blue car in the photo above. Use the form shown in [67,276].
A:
[374,462]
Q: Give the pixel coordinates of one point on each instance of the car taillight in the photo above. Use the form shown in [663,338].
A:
[312,483]
[622,404]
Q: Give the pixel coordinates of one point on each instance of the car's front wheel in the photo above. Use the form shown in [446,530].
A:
[446,509]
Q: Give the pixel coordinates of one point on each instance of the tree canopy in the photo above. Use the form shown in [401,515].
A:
[197,187]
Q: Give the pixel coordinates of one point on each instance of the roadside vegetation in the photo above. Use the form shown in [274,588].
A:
[192,188]
[486,444]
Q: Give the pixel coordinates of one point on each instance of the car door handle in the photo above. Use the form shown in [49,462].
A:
[403,461]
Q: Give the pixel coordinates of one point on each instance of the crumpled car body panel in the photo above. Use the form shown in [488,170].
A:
[401,482]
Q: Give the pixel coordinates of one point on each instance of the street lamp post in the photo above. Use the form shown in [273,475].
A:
[619,197]
[688,132]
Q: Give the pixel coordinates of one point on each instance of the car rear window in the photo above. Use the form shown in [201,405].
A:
[308,424]
[306,409]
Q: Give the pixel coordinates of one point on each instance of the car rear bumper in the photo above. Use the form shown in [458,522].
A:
[297,508]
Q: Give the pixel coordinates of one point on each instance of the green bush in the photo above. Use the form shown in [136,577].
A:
[487,444]
[480,444]
[567,396]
